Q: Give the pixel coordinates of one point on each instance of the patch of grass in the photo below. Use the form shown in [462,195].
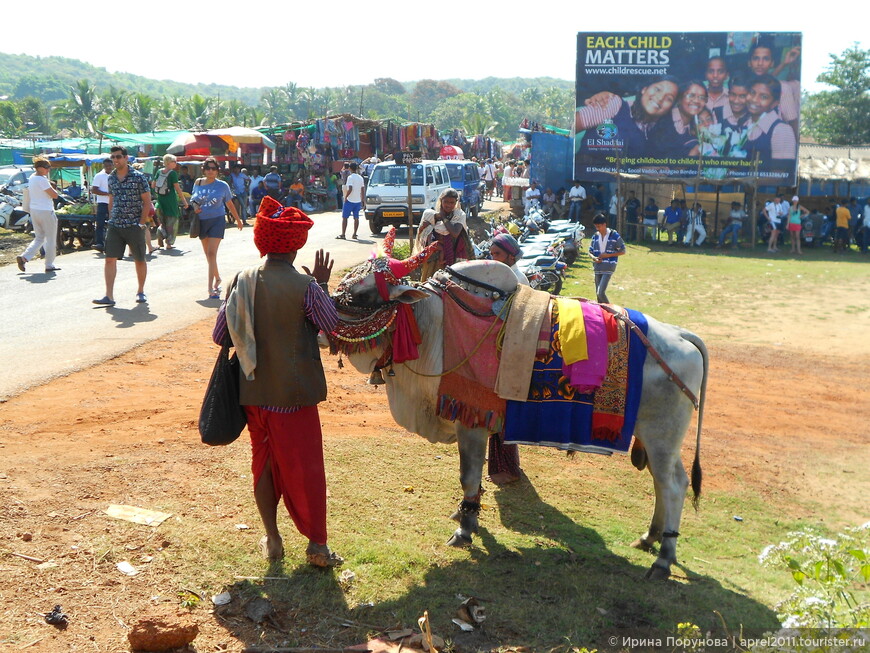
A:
[552,561]
[12,243]
[692,287]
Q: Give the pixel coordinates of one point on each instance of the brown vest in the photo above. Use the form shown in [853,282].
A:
[289,371]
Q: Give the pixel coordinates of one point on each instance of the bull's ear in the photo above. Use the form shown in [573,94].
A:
[407,294]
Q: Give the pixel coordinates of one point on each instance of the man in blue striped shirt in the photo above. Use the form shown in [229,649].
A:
[605,248]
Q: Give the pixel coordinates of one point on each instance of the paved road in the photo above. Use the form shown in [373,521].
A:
[51,328]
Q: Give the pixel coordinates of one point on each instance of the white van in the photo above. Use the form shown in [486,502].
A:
[386,201]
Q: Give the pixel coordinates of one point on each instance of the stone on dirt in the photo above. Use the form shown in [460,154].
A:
[162,631]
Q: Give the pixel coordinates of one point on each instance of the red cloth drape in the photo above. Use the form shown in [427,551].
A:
[292,444]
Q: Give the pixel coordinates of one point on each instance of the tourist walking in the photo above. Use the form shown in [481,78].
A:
[129,206]
[167,185]
[42,217]
[211,199]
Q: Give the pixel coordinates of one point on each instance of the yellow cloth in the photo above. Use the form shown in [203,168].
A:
[523,325]
[572,331]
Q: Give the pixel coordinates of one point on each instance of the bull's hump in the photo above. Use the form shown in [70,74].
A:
[491,273]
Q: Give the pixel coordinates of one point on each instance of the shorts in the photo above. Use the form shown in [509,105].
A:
[212,228]
[490,184]
[119,238]
[794,226]
[672,226]
[351,207]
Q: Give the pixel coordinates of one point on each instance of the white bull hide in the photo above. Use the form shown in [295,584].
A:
[663,416]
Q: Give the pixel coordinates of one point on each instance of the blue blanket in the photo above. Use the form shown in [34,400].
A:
[556,416]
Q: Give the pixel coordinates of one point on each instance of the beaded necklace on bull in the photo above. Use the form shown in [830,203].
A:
[392,326]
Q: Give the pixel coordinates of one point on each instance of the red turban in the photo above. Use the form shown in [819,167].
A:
[280,229]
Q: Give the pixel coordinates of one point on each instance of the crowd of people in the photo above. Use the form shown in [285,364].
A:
[783,221]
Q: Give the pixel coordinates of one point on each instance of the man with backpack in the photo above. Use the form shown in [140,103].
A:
[167,187]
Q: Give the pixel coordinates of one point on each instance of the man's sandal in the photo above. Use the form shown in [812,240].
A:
[324,560]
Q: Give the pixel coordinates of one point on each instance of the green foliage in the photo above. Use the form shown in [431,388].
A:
[832,578]
[401,250]
[79,97]
[48,77]
[839,117]
[428,94]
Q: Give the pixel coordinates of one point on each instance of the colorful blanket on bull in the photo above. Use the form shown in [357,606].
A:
[555,415]
[465,392]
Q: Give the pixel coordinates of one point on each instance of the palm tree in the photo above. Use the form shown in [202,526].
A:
[195,112]
[81,110]
[478,124]
[531,95]
[114,99]
[274,105]
[308,99]
[557,105]
[143,112]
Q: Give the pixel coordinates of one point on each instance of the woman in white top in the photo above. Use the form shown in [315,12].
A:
[42,217]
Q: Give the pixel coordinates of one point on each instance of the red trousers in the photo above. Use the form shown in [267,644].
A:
[292,444]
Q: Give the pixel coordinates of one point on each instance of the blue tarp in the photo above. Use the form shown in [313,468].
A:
[552,160]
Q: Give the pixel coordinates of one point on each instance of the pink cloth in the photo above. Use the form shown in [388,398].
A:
[587,375]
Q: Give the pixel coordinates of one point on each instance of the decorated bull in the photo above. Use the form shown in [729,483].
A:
[418,333]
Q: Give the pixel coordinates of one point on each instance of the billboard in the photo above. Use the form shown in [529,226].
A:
[722,104]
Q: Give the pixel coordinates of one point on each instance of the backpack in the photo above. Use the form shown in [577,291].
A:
[161,183]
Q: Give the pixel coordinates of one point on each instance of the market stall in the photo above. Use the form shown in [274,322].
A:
[76,221]
[311,152]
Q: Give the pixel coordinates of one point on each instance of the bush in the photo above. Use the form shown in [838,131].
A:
[832,578]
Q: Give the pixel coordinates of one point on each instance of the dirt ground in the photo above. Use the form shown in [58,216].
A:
[59,444]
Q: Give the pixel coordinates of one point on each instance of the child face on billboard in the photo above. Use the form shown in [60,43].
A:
[658,98]
[761,100]
[737,97]
[717,73]
[693,100]
[761,61]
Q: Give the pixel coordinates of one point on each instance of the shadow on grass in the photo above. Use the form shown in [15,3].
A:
[565,589]
[744,250]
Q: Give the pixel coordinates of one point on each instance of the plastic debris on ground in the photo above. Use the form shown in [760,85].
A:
[222,599]
[127,569]
[137,515]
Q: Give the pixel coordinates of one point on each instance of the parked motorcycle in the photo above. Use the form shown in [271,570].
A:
[12,216]
[808,231]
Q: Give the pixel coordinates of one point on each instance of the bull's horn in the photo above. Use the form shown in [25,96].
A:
[389,241]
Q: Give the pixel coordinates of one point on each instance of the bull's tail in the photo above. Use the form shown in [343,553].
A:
[696,464]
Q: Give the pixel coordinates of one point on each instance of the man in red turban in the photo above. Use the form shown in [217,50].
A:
[273,313]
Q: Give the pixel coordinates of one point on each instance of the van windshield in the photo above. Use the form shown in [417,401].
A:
[396,176]
[455,173]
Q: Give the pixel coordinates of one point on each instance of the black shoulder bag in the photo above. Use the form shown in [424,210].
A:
[222,418]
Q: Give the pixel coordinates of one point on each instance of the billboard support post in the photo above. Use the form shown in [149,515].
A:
[754,221]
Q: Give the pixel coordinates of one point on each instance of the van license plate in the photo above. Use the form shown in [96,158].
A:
[393,214]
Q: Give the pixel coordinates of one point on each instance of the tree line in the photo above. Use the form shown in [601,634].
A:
[86,110]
